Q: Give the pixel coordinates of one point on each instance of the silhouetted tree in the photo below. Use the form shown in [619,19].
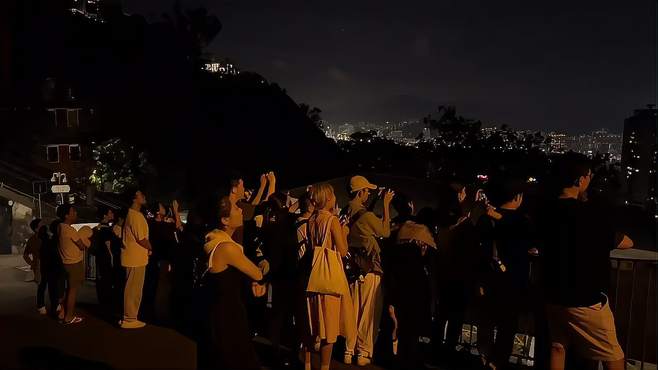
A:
[313,114]
[454,129]
[118,165]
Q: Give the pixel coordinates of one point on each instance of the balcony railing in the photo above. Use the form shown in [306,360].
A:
[633,301]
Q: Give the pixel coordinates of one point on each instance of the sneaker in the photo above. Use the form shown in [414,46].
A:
[59,308]
[42,310]
[73,321]
[363,361]
[132,324]
[347,359]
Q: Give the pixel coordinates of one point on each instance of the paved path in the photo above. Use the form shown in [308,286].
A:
[31,341]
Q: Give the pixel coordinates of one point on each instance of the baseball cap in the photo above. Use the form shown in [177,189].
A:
[359,182]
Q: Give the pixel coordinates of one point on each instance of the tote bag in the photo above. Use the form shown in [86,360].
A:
[327,275]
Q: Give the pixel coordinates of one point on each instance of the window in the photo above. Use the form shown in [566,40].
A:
[52,153]
[61,118]
[64,117]
[72,118]
[74,152]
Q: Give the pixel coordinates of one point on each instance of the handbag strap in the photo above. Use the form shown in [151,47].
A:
[311,238]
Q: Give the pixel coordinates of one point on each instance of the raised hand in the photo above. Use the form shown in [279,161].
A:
[388,196]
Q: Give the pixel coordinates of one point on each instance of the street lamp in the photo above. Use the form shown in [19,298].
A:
[59,178]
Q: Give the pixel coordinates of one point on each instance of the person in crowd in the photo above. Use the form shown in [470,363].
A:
[459,260]
[71,250]
[118,271]
[134,258]
[52,268]
[31,255]
[248,201]
[248,234]
[367,295]
[507,296]
[106,248]
[408,264]
[229,345]
[329,315]
[306,209]
[280,245]
[578,237]
[163,236]
[188,262]
[404,209]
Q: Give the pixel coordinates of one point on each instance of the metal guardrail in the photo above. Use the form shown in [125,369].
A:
[34,199]
[641,265]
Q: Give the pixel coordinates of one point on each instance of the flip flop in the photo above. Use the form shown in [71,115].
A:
[74,320]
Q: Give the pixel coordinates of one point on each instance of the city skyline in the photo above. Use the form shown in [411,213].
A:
[555,67]
[600,140]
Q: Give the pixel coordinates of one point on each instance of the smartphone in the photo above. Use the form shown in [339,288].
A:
[481,196]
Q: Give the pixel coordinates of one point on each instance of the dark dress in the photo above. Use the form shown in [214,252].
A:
[230,341]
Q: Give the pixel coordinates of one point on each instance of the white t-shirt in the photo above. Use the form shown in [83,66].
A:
[135,228]
[68,250]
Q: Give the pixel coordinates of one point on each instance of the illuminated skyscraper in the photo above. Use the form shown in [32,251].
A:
[639,156]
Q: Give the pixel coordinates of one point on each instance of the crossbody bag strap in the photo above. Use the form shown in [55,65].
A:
[327,232]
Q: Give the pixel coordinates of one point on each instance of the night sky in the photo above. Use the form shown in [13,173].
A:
[566,65]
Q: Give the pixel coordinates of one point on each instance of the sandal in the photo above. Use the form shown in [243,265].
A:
[74,320]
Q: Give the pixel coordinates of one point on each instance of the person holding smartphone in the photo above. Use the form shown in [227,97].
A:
[367,295]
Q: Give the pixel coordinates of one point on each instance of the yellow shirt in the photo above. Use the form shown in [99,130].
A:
[134,228]
[68,250]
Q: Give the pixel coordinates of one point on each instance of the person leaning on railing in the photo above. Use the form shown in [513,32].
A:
[578,236]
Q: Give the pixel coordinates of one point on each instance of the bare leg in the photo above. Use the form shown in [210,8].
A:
[615,365]
[307,358]
[558,356]
[71,294]
[325,355]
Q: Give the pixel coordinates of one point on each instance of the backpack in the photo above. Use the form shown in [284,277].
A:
[357,263]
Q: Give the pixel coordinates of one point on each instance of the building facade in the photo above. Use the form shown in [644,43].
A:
[639,156]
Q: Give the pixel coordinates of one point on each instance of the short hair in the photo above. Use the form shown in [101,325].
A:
[320,194]
[569,168]
[503,190]
[63,210]
[224,209]
[234,179]
[102,211]
[129,194]
[457,187]
[305,202]
[155,207]
[54,227]
[34,224]
[121,213]
[278,200]
[401,205]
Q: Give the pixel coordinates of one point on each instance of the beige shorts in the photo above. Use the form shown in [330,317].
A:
[75,274]
[589,331]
